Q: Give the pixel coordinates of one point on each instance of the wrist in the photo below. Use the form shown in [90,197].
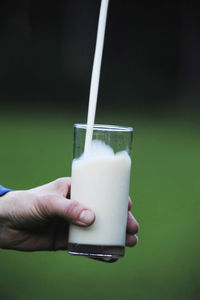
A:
[4,190]
[3,200]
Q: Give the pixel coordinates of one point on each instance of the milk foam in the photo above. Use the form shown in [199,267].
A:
[100,150]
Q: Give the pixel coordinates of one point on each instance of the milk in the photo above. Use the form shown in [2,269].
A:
[94,86]
[100,181]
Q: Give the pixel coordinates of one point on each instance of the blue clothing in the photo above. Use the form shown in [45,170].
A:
[3,190]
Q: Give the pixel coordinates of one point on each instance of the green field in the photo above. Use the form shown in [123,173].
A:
[165,186]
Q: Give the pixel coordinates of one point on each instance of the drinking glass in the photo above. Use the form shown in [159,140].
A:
[101,183]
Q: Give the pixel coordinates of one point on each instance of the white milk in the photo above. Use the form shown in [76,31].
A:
[94,86]
[100,181]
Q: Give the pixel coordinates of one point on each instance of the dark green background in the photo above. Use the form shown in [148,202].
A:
[150,80]
[36,147]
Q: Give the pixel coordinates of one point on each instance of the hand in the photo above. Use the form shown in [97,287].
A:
[39,218]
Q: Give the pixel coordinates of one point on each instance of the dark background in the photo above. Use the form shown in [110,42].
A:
[150,80]
[151,58]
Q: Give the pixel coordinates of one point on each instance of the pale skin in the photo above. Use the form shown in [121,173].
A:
[38,219]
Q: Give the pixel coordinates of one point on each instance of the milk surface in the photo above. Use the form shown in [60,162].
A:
[100,181]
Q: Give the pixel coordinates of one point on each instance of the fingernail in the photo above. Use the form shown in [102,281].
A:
[86,216]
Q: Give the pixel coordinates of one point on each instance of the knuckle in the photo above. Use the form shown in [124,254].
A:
[58,182]
[62,185]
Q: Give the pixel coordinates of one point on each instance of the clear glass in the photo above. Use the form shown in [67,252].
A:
[102,184]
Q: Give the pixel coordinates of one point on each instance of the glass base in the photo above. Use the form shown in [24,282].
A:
[96,251]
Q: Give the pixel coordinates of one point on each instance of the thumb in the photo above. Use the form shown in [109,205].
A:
[70,210]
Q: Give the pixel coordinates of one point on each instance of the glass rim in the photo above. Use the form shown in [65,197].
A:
[104,127]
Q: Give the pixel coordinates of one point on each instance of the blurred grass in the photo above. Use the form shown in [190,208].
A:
[37,147]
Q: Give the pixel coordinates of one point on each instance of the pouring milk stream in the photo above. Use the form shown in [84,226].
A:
[100,178]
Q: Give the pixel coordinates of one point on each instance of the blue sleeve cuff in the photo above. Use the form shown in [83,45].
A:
[3,190]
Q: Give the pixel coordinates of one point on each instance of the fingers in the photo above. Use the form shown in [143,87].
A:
[74,212]
[70,210]
[62,186]
[132,229]
[129,203]
[131,240]
[132,224]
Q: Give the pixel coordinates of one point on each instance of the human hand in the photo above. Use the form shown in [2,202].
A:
[39,218]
